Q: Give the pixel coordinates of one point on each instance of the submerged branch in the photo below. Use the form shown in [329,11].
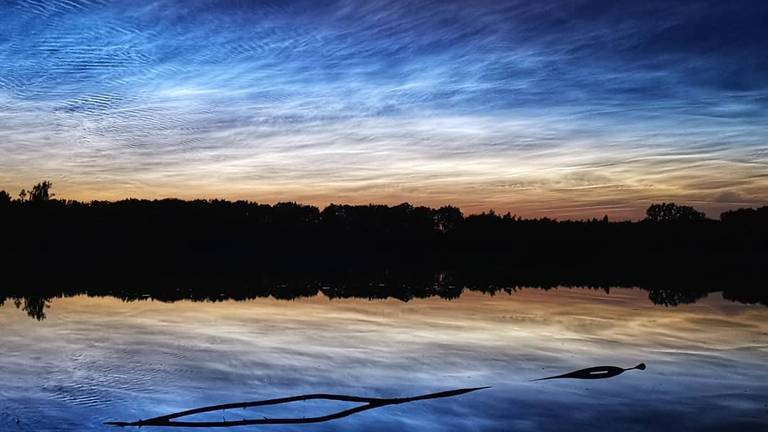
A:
[370,403]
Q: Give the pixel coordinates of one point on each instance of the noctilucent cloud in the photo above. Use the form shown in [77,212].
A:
[559,108]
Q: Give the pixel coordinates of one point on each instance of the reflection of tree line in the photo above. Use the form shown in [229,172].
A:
[34,306]
[35,301]
[363,251]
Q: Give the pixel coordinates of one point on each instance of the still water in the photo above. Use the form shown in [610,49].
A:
[99,359]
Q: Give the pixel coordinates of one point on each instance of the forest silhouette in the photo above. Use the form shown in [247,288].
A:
[172,249]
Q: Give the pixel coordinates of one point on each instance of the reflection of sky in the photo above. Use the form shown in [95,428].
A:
[100,359]
[565,108]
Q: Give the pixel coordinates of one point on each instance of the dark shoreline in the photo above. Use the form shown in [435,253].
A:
[208,250]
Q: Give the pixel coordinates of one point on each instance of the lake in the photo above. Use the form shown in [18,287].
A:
[98,359]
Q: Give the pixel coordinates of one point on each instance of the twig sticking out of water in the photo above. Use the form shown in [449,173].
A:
[597,372]
[370,403]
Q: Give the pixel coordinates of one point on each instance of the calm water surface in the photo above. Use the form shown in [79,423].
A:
[98,359]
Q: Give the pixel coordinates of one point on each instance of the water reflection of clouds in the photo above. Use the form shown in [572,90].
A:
[113,360]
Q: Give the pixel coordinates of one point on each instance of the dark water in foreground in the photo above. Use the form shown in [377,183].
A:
[99,359]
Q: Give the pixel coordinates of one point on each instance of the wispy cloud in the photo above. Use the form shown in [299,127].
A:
[560,108]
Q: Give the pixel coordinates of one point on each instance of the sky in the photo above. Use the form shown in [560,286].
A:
[567,109]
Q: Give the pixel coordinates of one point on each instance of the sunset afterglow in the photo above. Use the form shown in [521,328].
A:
[565,109]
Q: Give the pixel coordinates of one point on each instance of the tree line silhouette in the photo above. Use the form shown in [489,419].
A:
[368,250]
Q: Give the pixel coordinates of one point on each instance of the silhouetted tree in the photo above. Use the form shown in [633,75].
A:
[665,212]
[745,216]
[749,224]
[5,199]
[41,191]
[448,218]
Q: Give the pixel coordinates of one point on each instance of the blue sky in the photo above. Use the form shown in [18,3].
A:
[559,108]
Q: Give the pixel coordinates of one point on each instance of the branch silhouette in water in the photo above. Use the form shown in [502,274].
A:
[597,372]
[370,403]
